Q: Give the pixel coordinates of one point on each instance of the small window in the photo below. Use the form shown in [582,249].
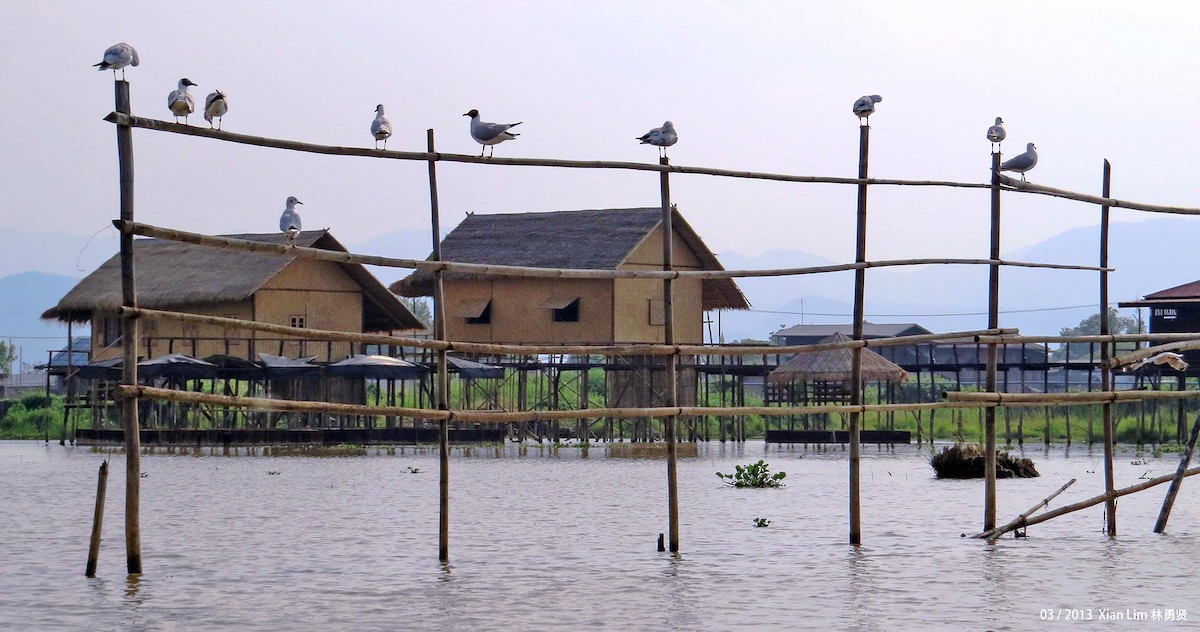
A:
[568,313]
[296,321]
[112,331]
[482,316]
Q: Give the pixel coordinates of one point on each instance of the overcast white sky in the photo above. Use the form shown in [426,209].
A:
[749,85]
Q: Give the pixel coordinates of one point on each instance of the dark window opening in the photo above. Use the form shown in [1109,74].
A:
[484,317]
[112,331]
[296,321]
[569,313]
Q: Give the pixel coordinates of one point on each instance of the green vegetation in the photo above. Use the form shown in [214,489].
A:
[762,522]
[753,475]
[33,416]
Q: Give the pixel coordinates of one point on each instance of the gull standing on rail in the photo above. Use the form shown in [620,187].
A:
[215,107]
[865,106]
[996,133]
[180,101]
[381,128]
[289,222]
[661,137]
[490,133]
[1022,163]
[118,56]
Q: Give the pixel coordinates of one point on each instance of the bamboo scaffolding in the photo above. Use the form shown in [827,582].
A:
[1095,500]
[430,265]
[1019,521]
[1010,184]
[490,348]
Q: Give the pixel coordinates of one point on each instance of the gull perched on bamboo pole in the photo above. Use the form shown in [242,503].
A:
[865,106]
[118,56]
[490,134]
[1174,360]
[289,221]
[215,107]
[180,101]
[1022,163]
[381,128]
[996,133]
[661,137]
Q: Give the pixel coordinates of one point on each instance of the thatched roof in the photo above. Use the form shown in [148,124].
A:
[833,365]
[175,275]
[599,239]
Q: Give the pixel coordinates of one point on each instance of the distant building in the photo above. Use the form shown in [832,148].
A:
[1172,311]
[261,287]
[812,334]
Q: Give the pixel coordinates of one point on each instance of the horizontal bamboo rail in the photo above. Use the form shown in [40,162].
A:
[1066,399]
[490,348]
[126,391]
[1095,338]
[1022,186]
[1134,356]
[170,234]
[1084,504]
[1009,183]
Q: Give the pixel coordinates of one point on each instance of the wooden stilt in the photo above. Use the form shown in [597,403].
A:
[97,521]
[989,424]
[860,255]
[1106,381]
[442,390]
[672,377]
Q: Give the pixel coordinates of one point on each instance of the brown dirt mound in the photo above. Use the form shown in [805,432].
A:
[966,461]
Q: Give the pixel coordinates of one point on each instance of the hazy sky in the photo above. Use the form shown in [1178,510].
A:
[749,85]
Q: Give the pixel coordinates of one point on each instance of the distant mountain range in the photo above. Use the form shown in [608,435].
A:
[1148,256]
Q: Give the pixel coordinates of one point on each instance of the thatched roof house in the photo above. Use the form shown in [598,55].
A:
[247,285]
[511,309]
[833,365]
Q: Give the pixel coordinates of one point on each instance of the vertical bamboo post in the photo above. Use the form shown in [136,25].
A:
[1161,524]
[442,391]
[1106,379]
[672,389]
[989,423]
[97,521]
[129,335]
[860,278]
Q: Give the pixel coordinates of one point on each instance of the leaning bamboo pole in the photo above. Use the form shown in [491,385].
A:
[129,334]
[1133,356]
[429,265]
[125,119]
[1019,521]
[1164,513]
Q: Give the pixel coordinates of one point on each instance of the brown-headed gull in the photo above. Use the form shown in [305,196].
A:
[490,134]
[118,56]
[180,100]
[661,137]
[865,105]
[289,221]
[381,128]
[1022,163]
[215,107]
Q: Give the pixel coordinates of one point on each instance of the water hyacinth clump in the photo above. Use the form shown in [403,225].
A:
[753,475]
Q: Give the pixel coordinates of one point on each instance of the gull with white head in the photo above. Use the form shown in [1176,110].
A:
[1022,163]
[289,221]
[865,106]
[490,134]
[215,107]
[381,128]
[118,56]
[996,133]
[661,137]
[180,101]
[1174,360]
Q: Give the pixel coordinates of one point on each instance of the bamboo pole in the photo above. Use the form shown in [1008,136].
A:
[1133,356]
[856,386]
[1106,381]
[1095,338]
[443,376]
[429,265]
[1164,514]
[97,521]
[989,425]
[1020,520]
[1093,501]
[125,119]
[1067,399]
[129,335]
[672,377]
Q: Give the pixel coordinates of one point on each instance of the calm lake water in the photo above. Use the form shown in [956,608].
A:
[551,539]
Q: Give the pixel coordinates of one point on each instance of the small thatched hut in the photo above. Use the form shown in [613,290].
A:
[825,375]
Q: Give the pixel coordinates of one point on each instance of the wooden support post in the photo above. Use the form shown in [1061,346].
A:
[129,339]
[672,386]
[442,389]
[97,521]
[1165,513]
[860,277]
[1106,380]
[989,424]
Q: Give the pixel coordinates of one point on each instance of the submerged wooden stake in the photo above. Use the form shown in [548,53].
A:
[672,389]
[1169,501]
[97,521]
[860,281]
[443,377]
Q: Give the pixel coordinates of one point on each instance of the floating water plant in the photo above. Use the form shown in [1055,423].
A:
[762,522]
[753,475]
